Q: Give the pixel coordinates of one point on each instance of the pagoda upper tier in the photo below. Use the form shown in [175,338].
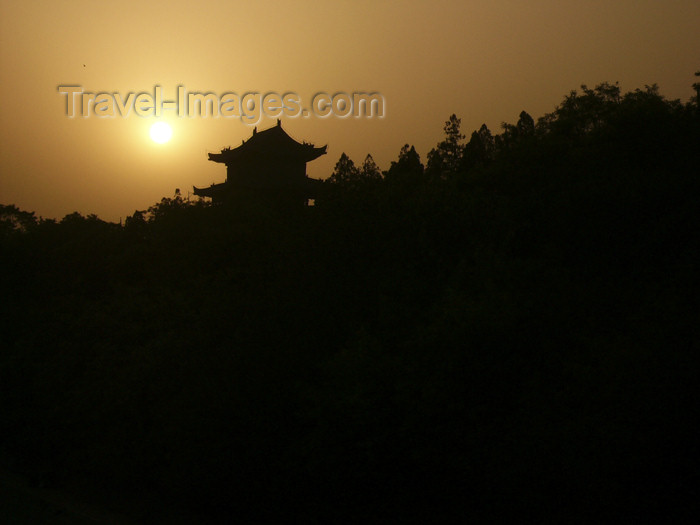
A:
[270,161]
[270,142]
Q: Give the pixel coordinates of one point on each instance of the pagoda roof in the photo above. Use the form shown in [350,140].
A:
[271,142]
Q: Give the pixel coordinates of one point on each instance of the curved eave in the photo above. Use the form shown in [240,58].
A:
[217,157]
[317,152]
[211,191]
[307,154]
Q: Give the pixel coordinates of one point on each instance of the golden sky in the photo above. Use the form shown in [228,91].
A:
[484,61]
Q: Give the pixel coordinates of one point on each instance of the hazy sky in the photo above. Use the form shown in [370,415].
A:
[484,61]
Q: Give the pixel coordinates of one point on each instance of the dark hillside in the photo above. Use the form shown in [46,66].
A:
[510,331]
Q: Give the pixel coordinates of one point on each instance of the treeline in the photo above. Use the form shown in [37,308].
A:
[510,330]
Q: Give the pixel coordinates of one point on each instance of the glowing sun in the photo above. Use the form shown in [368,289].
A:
[161,132]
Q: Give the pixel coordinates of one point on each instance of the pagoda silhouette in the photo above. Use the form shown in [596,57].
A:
[269,164]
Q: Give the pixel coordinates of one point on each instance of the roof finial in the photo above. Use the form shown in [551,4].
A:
[255,130]
[279,122]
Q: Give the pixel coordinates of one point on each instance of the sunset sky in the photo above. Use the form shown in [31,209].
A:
[484,61]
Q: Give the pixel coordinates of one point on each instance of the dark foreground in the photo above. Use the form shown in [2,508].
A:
[508,333]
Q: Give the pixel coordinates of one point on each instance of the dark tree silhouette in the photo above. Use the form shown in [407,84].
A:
[480,149]
[407,168]
[345,171]
[14,220]
[369,169]
[446,158]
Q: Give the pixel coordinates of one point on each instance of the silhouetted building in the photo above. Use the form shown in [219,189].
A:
[270,163]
